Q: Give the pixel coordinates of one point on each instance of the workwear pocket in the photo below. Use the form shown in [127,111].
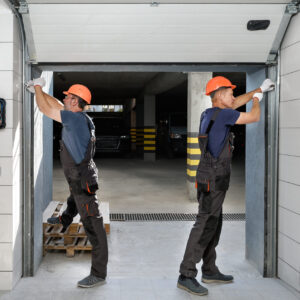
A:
[222,183]
[203,178]
[89,178]
[87,206]
[203,186]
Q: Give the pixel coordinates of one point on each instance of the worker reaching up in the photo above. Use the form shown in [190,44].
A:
[77,149]
[212,178]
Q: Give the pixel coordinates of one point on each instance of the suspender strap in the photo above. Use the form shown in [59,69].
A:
[212,120]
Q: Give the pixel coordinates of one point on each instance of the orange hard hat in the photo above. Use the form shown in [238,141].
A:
[80,91]
[216,83]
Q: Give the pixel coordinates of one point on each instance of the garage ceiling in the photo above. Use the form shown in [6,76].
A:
[94,32]
[105,87]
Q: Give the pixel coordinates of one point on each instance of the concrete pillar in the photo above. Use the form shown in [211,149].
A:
[197,103]
[149,128]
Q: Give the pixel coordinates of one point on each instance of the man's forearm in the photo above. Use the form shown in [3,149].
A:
[45,101]
[245,98]
[255,111]
[41,100]
[53,102]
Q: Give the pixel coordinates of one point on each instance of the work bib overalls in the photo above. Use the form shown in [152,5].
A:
[83,183]
[212,179]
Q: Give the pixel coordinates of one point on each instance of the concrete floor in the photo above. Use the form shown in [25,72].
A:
[143,264]
[144,257]
[135,186]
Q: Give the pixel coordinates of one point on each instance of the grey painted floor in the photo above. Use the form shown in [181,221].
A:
[145,256]
[135,186]
[143,264]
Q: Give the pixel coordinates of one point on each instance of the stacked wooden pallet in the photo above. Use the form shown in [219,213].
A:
[73,238]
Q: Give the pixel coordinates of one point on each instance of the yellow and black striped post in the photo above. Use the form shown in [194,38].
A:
[149,140]
[133,135]
[133,139]
[193,155]
[140,137]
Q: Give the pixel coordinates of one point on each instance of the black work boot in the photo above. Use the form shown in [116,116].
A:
[191,285]
[218,278]
[90,281]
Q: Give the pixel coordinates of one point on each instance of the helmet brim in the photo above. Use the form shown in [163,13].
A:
[231,86]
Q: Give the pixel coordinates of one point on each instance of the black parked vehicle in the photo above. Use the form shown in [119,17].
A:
[112,134]
[172,134]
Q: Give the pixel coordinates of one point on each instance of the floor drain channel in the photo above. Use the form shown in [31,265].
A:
[148,217]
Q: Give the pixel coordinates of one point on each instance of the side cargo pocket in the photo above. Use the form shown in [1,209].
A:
[89,178]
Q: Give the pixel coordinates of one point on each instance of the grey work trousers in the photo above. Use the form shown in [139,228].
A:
[95,231]
[205,235]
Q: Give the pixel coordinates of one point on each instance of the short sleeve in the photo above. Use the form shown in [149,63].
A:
[230,116]
[66,116]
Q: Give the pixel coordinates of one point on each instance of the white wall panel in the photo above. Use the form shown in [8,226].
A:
[7,143]
[289,167]
[288,221]
[289,274]
[142,33]
[289,250]
[293,34]
[10,151]
[290,87]
[6,199]
[289,158]
[5,281]
[6,86]
[6,27]
[6,263]
[288,195]
[9,113]
[289,141]
[6,229]
[289,112]
[6,171]
[290,59]
[6,57]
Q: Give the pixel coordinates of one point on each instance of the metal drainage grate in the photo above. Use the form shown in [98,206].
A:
[168,217]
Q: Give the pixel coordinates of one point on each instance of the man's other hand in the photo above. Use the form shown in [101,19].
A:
[259,96]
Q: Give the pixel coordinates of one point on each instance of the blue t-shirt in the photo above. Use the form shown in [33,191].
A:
[220,129]
[75,134]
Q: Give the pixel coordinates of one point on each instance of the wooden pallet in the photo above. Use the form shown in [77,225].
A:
[74,237]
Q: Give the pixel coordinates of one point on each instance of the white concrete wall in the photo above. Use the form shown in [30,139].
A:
[10,151]
[289,158]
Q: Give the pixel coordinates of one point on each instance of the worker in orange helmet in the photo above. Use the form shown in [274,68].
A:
[77,151]
[212,178]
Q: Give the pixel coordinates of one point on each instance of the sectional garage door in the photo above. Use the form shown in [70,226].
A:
[139,32]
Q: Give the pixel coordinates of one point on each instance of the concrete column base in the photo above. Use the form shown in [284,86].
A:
[192,191]
[149,157]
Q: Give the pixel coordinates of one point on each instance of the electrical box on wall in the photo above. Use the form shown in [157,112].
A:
[2,113]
